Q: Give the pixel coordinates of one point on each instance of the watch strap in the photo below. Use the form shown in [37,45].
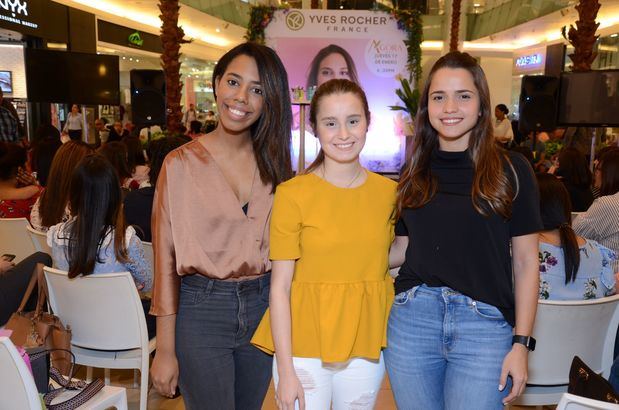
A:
[527,341]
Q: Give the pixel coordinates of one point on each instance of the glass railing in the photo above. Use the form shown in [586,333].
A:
[493,16]
[232,11]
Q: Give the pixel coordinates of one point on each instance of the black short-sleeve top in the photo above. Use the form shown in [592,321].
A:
[451,244]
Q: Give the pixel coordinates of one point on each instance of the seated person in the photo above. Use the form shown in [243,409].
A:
[96,239]
[19,190]
[14,280]
[573,170]
[137,164]
[571,267]
[139,203]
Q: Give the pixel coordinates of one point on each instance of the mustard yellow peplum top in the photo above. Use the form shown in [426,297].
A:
[341,290]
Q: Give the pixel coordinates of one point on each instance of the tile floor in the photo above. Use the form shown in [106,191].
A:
[155,401]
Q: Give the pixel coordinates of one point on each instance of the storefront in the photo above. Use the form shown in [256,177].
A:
[138,50]
[526,62]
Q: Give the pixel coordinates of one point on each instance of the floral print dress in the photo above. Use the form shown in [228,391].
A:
[595,277]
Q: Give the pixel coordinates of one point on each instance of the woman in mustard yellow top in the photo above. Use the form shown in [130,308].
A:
[331,229]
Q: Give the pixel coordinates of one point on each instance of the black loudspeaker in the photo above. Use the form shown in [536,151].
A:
[538,103]
[148,97]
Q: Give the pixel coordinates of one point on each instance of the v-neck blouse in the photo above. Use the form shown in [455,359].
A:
[199,226]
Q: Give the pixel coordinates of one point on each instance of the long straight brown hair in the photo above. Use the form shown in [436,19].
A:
[54,199]
[492,191]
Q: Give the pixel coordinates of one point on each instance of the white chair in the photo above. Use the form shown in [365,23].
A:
[107,321]
[564,329]
[39,240]
[573,402]
[18,391]
[14,238]
[148,253]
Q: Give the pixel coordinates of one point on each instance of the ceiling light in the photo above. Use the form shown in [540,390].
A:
[218,30]
[614,35]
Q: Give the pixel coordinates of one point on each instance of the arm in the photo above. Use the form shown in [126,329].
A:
[137,265]
[289,388]
[589,223]
[526,286]
[164,369]
[397,253]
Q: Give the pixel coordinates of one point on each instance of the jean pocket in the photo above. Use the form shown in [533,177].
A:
[402,297]
[487,311]
[191,295]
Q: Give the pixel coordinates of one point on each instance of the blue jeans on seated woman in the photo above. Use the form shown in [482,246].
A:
[219,368]
[445,351]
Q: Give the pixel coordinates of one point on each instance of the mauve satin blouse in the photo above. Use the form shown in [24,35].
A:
[199,226]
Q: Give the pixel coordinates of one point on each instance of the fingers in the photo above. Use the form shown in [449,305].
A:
[503,379]
[518,386]
[301,397]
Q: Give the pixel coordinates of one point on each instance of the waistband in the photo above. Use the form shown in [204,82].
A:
[203,282]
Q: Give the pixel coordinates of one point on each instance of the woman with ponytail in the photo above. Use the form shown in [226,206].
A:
[571,267]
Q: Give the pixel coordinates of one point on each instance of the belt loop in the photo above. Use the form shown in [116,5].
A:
[265,280]
[209,286]
[414,290]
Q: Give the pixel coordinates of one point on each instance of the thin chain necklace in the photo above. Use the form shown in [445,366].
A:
[324,175]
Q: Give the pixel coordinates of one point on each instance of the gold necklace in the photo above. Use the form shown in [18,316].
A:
[324,175]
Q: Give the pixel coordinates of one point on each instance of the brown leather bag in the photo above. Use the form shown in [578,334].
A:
[585,382]
[39,328]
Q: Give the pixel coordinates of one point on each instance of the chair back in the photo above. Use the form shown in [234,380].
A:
[14,239]
[148,253]
[564,329]
[17,388]
[104,311]
[573,402]
[39,240]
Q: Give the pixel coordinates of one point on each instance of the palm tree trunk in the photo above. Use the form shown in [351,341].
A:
[171,40]
[456,5]
[583,36]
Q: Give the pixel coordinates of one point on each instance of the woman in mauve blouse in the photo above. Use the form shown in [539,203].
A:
[210,236]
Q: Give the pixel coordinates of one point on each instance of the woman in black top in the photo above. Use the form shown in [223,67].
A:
[462,202]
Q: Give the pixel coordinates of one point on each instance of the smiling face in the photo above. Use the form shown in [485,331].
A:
[239,95]
[341,127]
[332,66]
[453,107]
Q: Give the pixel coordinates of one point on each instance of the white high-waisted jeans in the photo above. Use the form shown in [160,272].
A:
[349,385]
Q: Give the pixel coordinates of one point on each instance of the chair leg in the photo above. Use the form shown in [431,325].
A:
[88,374]
[106,375]
[135,379]
[144,386]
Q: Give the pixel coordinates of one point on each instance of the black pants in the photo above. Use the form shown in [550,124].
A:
[75,134]
[14,282]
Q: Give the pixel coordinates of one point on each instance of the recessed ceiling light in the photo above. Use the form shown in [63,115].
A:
[614,35]
[217,30]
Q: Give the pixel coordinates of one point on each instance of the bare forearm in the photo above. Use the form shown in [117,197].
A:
[397,253]
[281,328]
[166,328]
[526,286]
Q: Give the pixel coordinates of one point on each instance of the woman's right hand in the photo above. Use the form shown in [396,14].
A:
[164,373]
[289,389]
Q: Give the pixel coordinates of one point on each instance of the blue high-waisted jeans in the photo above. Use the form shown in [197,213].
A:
[445,351]
[219,368]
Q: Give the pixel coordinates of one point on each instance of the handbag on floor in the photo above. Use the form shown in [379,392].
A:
[39,328]
[585,382]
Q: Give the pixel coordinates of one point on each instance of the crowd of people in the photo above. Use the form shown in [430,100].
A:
[260,274]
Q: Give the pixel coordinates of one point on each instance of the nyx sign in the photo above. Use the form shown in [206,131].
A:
[15,7]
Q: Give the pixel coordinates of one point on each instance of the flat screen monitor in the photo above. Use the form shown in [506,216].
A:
[589,99]
[72,78]
[6,82]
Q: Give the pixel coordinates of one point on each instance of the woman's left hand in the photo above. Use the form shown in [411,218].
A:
[515,365]
[24,178]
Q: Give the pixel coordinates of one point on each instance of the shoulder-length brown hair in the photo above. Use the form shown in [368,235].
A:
[54,199]
[335,86]
[491,190]
[270,134]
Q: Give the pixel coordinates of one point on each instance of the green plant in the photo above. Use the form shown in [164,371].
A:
[409,96]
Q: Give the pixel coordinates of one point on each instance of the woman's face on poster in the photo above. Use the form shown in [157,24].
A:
[332,66]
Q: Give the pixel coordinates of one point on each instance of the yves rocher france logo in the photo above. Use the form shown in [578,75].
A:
[295,20]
